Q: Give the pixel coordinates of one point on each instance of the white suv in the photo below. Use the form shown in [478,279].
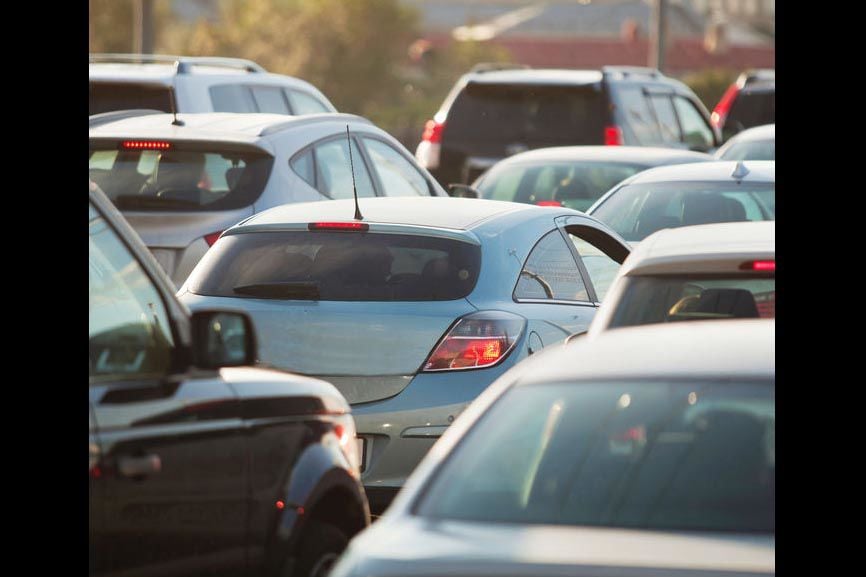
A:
[197,84]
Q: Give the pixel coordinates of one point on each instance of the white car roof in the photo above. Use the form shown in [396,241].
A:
[716,170]
[436,212]
[637,154]
[730,348]
[705,248]
[218,126]
[551,76]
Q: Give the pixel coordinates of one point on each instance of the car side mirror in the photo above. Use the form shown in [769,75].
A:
[574,336]
[222,339]
[463,191]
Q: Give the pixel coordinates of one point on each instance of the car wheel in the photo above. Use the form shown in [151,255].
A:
[318,550]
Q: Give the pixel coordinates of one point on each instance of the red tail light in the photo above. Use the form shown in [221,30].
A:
[212,237]
[145,145]
[476,341]
[612,136]
[548,203]
[347,226]
[433,131]
[720,112]
[759,265]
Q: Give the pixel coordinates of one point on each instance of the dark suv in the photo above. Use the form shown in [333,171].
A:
[494,113]
[749,101]
[200,464]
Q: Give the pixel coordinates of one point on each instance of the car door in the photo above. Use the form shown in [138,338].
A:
[167,469]
[555,290]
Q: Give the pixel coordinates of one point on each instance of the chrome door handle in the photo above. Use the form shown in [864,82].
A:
[139,466]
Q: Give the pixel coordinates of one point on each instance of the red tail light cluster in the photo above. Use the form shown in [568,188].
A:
[612,136]
[345,226]
[212,237]
[433,131]
[476,341]
[720,112]
[759,265]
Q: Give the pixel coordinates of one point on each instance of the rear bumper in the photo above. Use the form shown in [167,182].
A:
[399,431]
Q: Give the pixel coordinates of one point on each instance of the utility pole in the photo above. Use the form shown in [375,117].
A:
[657,34]
[142,27]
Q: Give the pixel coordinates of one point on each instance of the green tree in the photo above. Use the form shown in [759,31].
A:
[111,23]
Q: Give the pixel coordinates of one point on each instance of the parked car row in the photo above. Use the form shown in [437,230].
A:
[347,340]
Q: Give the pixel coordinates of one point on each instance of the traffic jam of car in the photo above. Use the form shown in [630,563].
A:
[314,352]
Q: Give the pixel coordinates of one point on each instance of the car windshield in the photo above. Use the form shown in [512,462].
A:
[178,178]
[635,211]
[338,266]
[662,455]
[575,185]
[109,96]
[526,113]
[661,299]
[751,150]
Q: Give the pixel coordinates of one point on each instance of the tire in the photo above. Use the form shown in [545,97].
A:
[318,549]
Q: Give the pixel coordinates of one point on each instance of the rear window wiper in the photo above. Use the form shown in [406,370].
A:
[144,201]
[300,290]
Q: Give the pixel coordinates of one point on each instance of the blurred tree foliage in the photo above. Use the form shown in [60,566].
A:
[365,55]
[710,84]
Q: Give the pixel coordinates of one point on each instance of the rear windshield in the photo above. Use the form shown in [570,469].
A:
[691,455]
[638,210]
[661,299]
[179,179]
[109,96]
[575,185]
[751,150]
[751,108]
[338,266]
[527,113]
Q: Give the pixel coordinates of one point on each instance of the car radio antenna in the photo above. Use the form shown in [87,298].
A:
[175,122]
[352,168]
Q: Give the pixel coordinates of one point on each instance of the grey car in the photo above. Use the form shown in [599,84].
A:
[180,183]
[687,195]
[412,311]
[573,176]
[576,463]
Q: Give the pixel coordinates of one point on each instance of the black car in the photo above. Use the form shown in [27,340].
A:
[199,463]
[493,113]
[749,101]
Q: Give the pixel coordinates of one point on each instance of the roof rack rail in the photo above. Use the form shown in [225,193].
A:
[482,67]
[632,70]
[106,117]
[183,63]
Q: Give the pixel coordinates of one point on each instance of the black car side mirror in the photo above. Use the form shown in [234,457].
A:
[222,339]
[462,191]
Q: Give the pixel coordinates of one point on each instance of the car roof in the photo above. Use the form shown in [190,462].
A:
[435,212]
[223,126]
[638,154]
[536,76]
[730,348]
[687,248]
[763,132]
[715,170]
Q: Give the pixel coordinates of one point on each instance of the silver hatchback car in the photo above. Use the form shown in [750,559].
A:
[181,183]
[412,311]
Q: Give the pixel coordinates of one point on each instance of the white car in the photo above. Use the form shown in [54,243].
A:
[646,451]
[687,195]
[711,271]
[181,185]
[758,143]
[197,84]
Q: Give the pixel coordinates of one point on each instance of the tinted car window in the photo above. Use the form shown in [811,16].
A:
[303,103]
[660,299]
[270,99]
[664,109]
[551,273]
[397,175]
[696,132]
[600,267]
[575,185]
[751,108]
[332,169]
[108,96]
[638,210]
[179,178]
[338,266]
[130,334]
[526,113]
[232,98]
[691,455]
[634,107]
